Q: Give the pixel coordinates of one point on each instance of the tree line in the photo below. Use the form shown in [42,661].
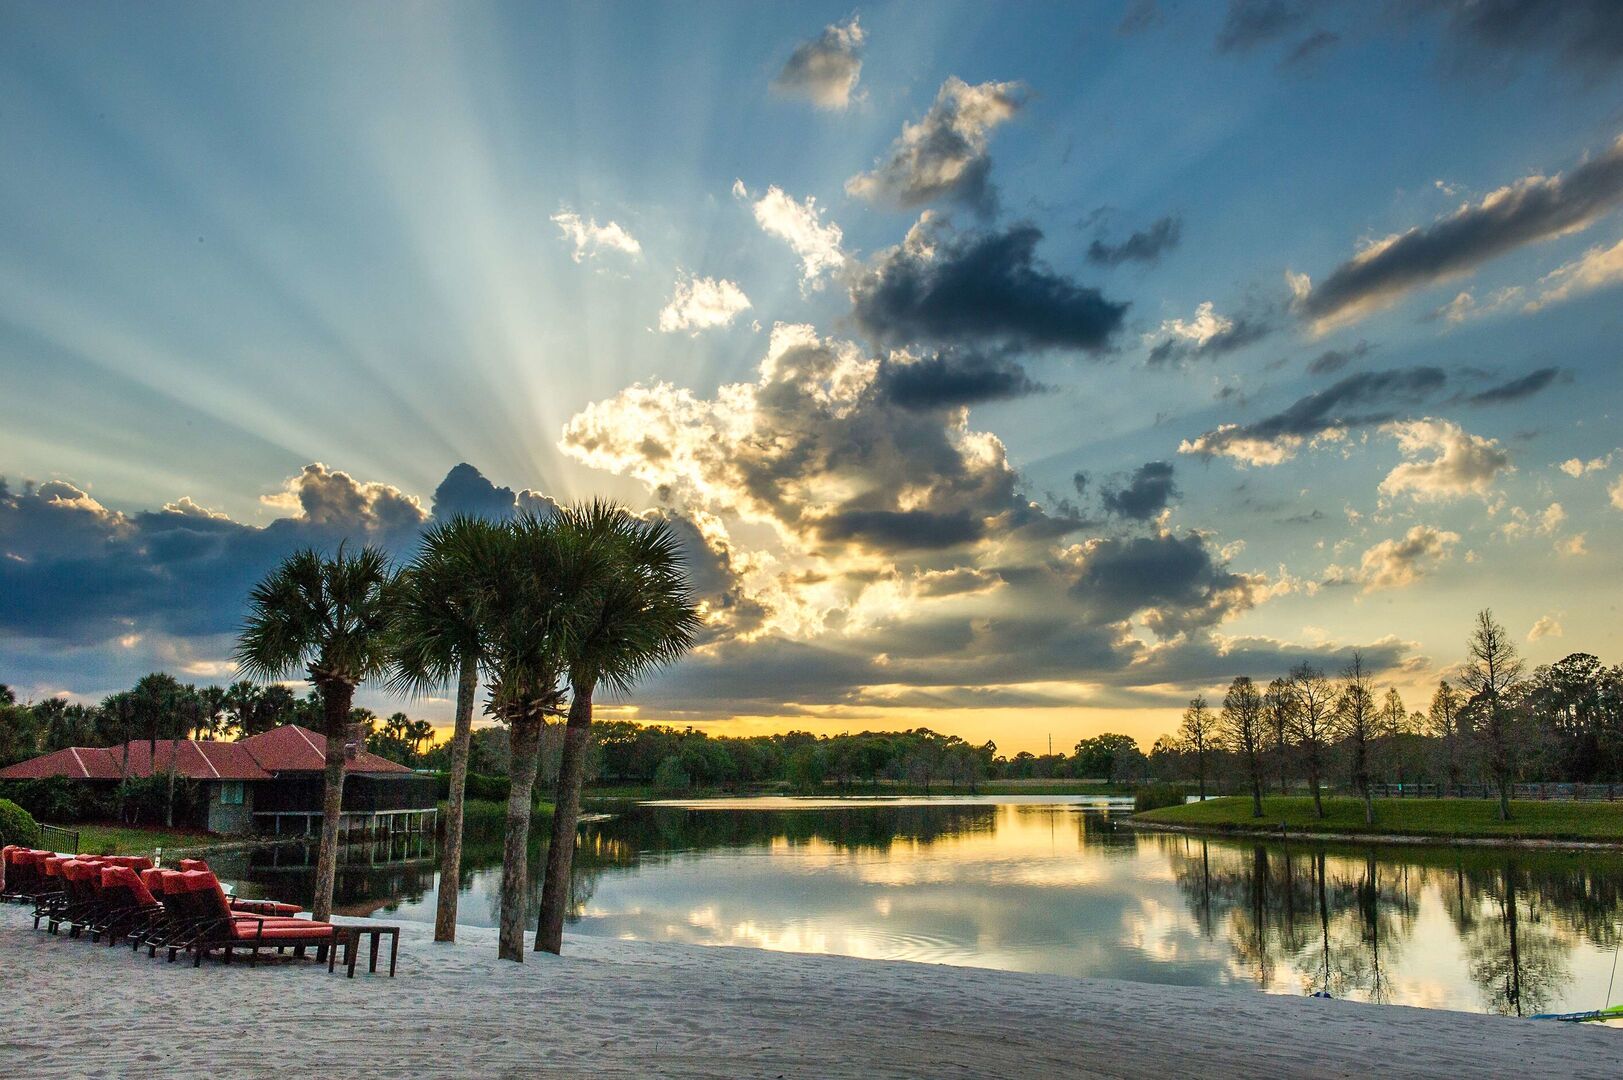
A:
[1492,726]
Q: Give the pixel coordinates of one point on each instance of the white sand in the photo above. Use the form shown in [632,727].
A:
[622,1009]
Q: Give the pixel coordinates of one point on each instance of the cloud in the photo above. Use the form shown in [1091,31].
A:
[1146,493]
[1547,626]
[1598,268]
[825,70]
[1459,463]
[943,155]
[1532,209]
[1615,493]
[800,225]
[1586,33]
[1250,23]
[988,287]
[1332,360]
[1360,400]
[951,378]
[1310,48]
[1172,582]
[701,303]
[1147,246]
[591,239]
[1577,467]
[1466,306]
[324,496]
[1396,564]
[466,492]
[1139,15]
[1516,389]
[1207,334]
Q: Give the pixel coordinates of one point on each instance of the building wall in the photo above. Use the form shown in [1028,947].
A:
[230,818]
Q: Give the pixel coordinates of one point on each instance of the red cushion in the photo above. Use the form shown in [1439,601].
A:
[302,931]
[153,880]
[269,906]
[193,864]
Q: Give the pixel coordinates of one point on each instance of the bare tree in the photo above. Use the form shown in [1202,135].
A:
[1277,705]
[1443,724]
[1243,732]
[1359,724]
[1492,674]
[1312,724]
[1196,735]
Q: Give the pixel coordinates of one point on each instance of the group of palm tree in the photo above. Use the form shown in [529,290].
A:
[544,609]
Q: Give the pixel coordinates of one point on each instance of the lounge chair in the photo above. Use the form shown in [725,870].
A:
[197,900]
[127,905]
[267,908]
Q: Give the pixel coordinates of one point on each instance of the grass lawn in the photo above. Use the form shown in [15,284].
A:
[1451,818]
[105,839]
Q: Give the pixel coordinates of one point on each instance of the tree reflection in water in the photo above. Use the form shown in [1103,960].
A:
[1052,888]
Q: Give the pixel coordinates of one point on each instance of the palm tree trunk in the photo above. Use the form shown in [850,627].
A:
[169,805]
[336,698]
[525,740]
[451,853]
[549,934]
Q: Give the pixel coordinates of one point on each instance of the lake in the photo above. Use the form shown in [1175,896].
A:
[1045,884]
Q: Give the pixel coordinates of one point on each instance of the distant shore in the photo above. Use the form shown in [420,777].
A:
[1575,826]
[623,1009]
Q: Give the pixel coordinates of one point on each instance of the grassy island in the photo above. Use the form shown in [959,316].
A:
[1445,819]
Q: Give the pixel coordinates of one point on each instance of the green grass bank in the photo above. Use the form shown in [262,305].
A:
[1441,819]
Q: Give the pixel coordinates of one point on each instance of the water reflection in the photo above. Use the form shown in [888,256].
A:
[1057,888]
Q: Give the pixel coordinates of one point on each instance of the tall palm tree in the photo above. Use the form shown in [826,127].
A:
[632,615]
[331,618]
[526,584]
[439,639]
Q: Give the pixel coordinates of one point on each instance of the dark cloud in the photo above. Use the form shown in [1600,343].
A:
[952,378]
[1139,15]
[465,491]
[987,287]
[1310,48]
[902,530]
[1515,389]
[1533,209]
[1250,23]
[1147,492]
[825,70]
[1172,582]
[1587,33]
[944,154]
[1147,246]
[1331,361]
[1357,401]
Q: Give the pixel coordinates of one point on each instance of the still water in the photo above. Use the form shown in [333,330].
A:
[1049,885]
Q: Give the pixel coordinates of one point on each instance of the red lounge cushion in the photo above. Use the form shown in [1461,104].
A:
[153,880]
[303,931]
[193,864]
[267,906]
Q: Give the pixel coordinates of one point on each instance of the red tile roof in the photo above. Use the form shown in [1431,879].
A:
[284,749]
[292,748]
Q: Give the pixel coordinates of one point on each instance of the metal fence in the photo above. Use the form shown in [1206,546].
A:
[1536,791]
[59,839]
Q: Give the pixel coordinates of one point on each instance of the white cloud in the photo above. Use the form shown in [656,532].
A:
[1597,268]
[1577,467]
[1616,493]
[1206,325]
[825,70]
[1395,564]
[700,303]
[800,225]
[591,239]
[1245,450]
[1547,626]
[1573,545]
[944,153]
[1459,463]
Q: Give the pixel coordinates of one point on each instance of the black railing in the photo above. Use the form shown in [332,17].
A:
[58,839]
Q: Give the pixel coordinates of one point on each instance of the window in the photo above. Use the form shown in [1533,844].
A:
[231,793]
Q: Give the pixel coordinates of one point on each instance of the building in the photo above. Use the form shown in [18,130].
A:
[268,783]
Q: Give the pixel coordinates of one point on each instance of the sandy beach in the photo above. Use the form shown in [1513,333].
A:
[622,1009]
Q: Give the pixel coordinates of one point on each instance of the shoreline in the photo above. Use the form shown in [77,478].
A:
[1240,832]
[610,1008]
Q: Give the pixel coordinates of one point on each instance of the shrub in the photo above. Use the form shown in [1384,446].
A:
[17,826]
[670,776]
[484,788]
[59,800]
[1156,796]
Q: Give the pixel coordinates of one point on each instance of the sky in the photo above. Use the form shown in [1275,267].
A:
[1018,372]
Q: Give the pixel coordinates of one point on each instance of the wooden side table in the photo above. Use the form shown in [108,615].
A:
[349,935]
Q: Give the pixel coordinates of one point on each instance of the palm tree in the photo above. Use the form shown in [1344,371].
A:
[331,618]
[525,581]
[631,615]
[438,638]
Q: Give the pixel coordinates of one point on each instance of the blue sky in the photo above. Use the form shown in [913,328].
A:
[1320,300]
